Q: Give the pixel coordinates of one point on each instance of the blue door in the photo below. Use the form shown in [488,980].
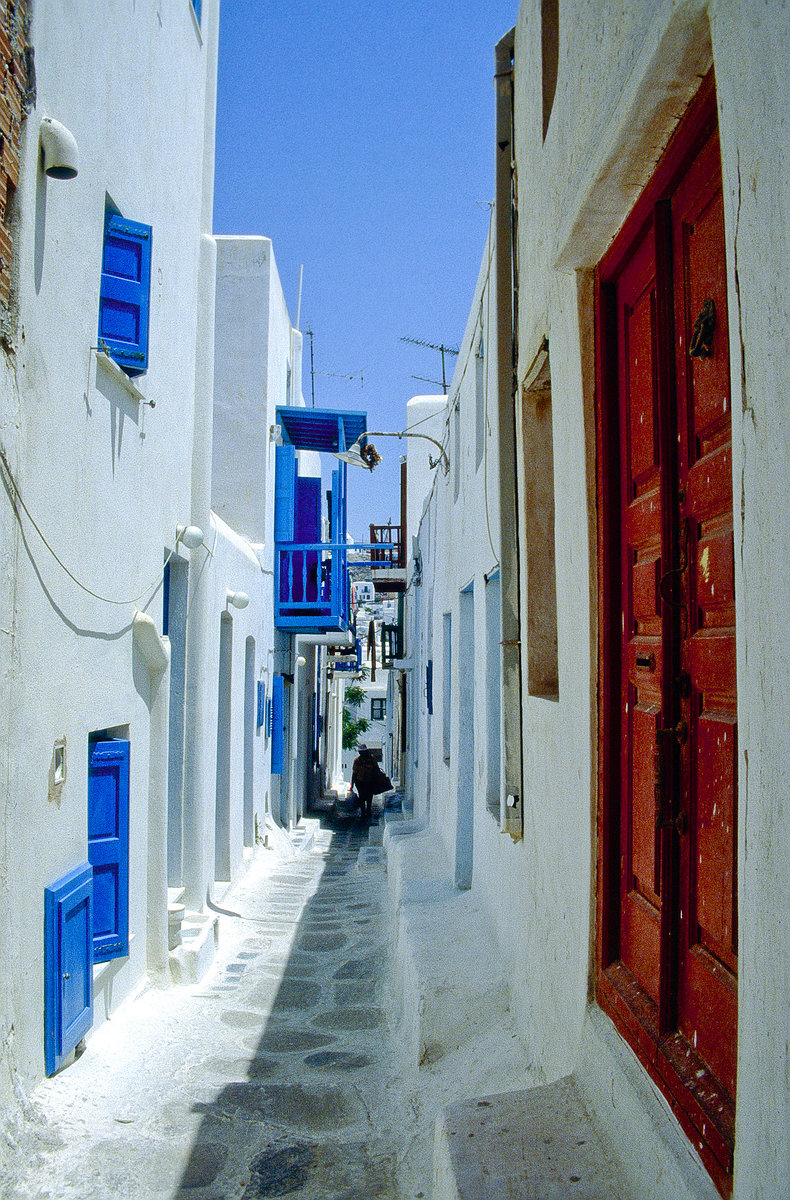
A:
[108,846]
[68,964]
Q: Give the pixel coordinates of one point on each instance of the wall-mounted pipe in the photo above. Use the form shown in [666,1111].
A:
[507,326]
[59,149]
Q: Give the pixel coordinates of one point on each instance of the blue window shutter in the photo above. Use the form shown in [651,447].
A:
[429,684]
[108,846]
[278,732]
[284,493]
[196,6]
[261,706]
[308,510]
[68,964]
[125,293]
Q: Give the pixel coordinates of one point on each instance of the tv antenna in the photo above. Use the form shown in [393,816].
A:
[328,374]
[433,346]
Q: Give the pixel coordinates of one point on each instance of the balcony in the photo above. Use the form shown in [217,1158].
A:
[388,558]
[312,587]
[312,592]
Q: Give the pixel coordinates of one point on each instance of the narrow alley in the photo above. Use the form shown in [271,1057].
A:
[276,1075]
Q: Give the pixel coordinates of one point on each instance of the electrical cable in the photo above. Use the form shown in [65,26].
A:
[17,499]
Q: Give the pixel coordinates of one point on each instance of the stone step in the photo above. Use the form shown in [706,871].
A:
[533,1145]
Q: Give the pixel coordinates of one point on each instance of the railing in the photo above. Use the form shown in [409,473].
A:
[387,543]
[312,587]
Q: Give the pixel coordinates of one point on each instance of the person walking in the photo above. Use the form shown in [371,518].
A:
[364,774]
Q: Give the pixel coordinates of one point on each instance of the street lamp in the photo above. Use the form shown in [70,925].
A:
[356,453]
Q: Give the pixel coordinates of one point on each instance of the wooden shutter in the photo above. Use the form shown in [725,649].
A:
[284,493]
[125,293]
[108,846]
[278,730]
[68,964]
[261,705]
[308,510]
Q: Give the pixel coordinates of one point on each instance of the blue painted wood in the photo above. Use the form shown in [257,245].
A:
[108,846]
[124,299]
[166,600]
[284,493]
[307,526]
[68,964]
[278,728]
[261,705]
[196,6]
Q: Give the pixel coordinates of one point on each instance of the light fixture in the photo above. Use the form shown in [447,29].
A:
[237,599]
[59,147]
[190,535]
[354,455]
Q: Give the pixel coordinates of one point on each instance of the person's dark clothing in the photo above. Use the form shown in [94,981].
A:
[364,773]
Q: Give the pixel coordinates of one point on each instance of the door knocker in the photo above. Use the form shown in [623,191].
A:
[702,335]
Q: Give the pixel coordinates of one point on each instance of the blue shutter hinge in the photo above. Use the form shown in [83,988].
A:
[138,233]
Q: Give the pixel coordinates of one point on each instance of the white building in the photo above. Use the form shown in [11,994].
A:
[598,669]
[158,720]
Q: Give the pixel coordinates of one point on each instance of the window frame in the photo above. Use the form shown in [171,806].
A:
[117,291]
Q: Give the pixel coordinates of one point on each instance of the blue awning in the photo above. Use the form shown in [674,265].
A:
[321,428]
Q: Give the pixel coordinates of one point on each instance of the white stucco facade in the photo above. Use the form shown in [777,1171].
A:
[113,625]
[623,81]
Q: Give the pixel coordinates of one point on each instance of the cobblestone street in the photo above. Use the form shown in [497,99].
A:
[274,1076]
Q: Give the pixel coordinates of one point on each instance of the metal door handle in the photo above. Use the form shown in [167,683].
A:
[680,732]
[662,589]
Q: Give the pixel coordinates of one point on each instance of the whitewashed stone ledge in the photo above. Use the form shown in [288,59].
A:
[533,1145]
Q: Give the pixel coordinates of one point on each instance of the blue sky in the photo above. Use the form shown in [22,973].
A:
[359,137]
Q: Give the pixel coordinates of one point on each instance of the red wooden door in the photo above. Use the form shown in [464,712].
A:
[707,918]
[668,933]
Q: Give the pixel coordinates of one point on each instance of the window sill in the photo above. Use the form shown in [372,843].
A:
[120,377]
[102,971]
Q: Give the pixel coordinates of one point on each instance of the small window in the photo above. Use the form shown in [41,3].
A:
[539,534]
[125,293]
[550,55]
[378,709]
[278,724]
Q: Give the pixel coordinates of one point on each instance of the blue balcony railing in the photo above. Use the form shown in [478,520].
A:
[312,587]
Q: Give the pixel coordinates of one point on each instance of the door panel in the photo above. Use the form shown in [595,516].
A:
[668,932]
[641,621]
[108,846]
[707,943]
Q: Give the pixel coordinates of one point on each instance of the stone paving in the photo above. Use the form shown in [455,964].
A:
[276,1076]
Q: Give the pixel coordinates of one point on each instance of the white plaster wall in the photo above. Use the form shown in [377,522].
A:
[625,76]
[456,550]
[105,478]
[255,345]
[236,567]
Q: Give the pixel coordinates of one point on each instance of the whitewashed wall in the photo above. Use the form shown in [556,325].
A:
[625,76]
[105,477]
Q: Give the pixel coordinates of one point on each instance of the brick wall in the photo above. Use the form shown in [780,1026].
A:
[13,96]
